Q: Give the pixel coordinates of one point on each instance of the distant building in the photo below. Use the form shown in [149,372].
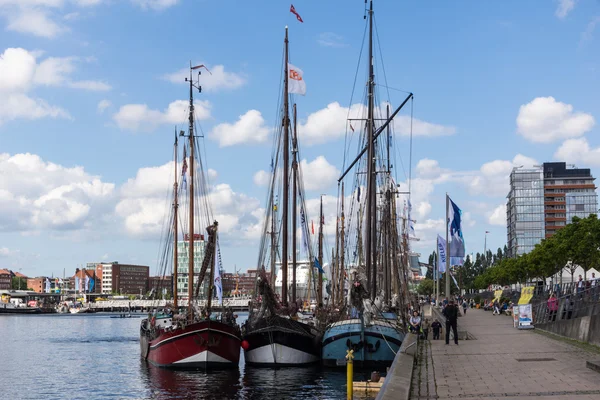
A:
[5,279]
[183,264]
[37,284]
[543,200]
[113,277]
[89,275]
[162,285]
[245,283]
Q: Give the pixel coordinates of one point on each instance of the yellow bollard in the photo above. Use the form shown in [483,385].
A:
[350,373]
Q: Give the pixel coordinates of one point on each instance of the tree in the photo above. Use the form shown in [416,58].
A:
[425,287]
[18,283]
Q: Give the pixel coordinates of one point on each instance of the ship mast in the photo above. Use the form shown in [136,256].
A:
[191,190]
[294,204]
[320,279]
[371,231]
[175,253]
[286,189]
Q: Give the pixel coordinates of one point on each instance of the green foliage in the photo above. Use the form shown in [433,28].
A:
[425,287]
[577,244]
[18,283]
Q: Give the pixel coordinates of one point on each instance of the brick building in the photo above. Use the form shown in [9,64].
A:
[159,284]
[5,279]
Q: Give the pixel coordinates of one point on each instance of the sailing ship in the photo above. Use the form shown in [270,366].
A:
[369,322]
[193,338]
[273,335]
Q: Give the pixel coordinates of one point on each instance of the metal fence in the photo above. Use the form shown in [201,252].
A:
[572,303]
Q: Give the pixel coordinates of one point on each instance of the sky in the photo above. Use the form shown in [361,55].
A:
[92,90]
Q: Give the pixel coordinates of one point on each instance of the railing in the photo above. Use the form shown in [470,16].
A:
[575,303]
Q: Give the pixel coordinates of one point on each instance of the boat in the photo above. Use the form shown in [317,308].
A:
[16,306]
[79,308]
[368,290]
[193,338]
[273,335]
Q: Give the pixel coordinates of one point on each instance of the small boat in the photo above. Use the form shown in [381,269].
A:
[16,306]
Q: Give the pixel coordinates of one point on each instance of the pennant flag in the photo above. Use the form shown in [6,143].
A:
[303,227]
[184,169]
[411,223]
[76,283]
[318,265]
[218,284]
[296,83]
[457,243]
[92,281]
[87,283]
[441,243]
[47,285]
[293,11]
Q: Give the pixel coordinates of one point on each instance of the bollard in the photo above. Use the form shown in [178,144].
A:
[350,374]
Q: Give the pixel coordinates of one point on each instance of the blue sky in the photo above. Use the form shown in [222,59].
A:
[86,129]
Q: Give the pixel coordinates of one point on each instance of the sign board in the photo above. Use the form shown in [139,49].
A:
[525,317]
[526,295]
[515,313]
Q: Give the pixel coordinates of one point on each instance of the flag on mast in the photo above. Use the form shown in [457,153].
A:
[218,284]
[457,242]
[296,83]
[293,11]
[441,243]
[184,169]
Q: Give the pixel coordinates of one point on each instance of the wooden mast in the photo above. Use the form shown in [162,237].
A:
[320,279]
[191,205]
[294,203]
[286,162]
[336,264]
[175,253]
[273,239]
[371,231]
[388,231]
[341,270]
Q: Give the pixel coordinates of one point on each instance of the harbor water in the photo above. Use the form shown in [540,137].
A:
[94,356]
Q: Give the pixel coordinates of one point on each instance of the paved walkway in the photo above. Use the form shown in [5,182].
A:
[503,363]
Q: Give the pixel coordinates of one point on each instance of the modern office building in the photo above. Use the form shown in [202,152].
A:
[183,264]
[543,200]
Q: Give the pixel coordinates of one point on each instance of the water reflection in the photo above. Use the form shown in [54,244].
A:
[165,384]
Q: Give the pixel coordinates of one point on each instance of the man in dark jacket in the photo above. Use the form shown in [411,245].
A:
[451,314]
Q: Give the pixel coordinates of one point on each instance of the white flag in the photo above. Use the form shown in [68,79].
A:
[296,82]
[218,284]
[441,243]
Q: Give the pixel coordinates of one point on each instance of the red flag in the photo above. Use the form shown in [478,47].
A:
[293,11]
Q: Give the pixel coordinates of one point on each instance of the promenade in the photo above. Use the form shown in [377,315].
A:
[503,363]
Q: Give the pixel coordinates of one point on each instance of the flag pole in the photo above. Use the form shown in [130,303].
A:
[448,251]
[437,275]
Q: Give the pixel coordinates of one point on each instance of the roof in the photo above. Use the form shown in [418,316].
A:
[4,272]
[20,275]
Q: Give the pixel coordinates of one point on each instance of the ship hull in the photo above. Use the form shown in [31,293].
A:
[281,342]
[19,310]
[203,345]
[374,346]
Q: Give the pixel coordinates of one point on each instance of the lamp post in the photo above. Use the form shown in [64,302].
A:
[20,269]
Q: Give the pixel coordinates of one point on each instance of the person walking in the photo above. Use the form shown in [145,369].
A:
[436,326]
[465,307]
[425,327]
[552,307]
[451,314]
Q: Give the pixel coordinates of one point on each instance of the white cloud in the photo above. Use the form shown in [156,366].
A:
[578,151]
[96,86]
[36,195]
[318,174]
[211,81]
[139,117]
[262,178]
[330,123]
[143,206]
[103,105]
[330,39]
[249,128]
[20,106]
[17,68]
[546,120]
[498,216]
[564,8]
[34,21]
[588,34]
[157,5]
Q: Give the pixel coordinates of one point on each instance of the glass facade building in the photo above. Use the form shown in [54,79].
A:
[543,200]
[183,265]
[525,210]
